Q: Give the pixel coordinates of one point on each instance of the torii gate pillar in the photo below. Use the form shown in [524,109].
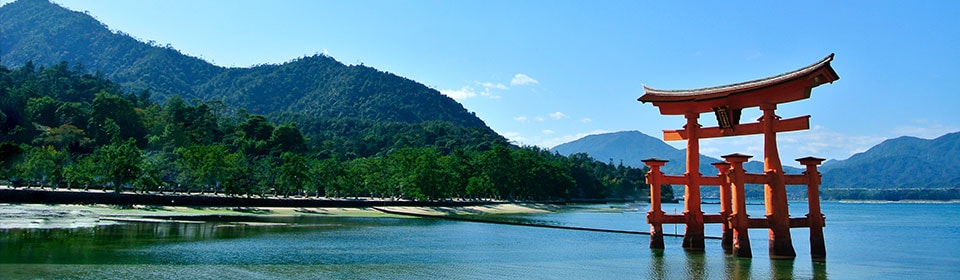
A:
[693,236]
[774,191]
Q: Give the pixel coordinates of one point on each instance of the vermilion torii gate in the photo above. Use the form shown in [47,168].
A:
[727,102]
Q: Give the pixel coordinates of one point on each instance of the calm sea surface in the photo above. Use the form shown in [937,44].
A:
[864,241]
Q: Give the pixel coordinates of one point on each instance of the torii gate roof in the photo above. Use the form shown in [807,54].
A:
[786,87]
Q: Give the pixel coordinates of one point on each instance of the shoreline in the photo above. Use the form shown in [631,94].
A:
[52,216]
[62,196]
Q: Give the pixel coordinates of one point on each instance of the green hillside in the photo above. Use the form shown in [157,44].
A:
[86,107]
[317,86]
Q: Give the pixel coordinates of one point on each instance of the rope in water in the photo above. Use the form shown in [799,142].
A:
[466,219]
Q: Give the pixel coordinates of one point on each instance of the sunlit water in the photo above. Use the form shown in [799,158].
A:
[864,241]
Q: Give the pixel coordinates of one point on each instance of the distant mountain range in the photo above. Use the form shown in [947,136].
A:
[310,87]
[631,147]
[905,162]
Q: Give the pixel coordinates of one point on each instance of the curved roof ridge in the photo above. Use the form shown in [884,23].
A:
[652,94]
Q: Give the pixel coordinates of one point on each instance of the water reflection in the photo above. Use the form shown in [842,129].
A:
[699,265]
[118,244]
[657,269]
[819,270]
[737,268]
[781,269]
[696,265]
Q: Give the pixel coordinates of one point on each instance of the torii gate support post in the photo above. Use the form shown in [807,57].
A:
[818,250]
[774,191]
[726,241]
[738,218]
[655,216]
[693,237]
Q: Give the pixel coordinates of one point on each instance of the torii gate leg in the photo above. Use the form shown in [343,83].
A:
[655,216]
[726,204]
[774,191]
[693,237]
[739,220]
[818,251]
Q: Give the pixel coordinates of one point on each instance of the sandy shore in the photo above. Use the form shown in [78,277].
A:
[77,216]
[510,208]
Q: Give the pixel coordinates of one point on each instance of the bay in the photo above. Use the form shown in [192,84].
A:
[864,241]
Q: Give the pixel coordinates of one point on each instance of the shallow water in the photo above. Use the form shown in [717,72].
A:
[864,241]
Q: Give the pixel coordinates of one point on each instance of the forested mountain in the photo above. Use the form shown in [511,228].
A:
[61,128]
[904,162]
[317,86]
[84,107]
[631,147]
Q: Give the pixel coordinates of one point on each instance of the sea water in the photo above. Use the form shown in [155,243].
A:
[863,241]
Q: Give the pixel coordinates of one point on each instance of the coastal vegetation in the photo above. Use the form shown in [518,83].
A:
[63,127]
[911,194]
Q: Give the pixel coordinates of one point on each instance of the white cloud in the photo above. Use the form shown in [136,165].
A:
[515,138]
[547,142]
[521,79]
[489,85]
[558,115]
[461,94]
[924,129]
[817,142]
[586,120]
[520,118]
[821,142]
[487,90]
[539,119]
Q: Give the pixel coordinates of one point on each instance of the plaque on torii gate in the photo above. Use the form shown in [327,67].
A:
[727,103]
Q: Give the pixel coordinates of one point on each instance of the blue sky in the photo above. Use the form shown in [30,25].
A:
[548,72]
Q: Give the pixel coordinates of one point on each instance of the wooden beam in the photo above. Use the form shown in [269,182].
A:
[794,124]
[681,219]
[711,181]
[672,219]
[755,178]
[714,219]
[796,179]
[675,180]
[796,222]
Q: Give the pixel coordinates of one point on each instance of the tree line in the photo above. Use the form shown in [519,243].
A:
[65,128]
[917,194]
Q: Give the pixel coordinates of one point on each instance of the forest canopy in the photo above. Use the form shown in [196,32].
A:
[63,127]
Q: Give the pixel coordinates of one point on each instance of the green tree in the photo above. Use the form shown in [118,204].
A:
[42,166]
[43,111]
[10,153]
[115,119]
[326,174]
[82,173]
[202,166]
[254,135]
[293,174]
[420,175]
[118,163]
[499,171]
[151,176]
[286,138]
[74,113]
[64,138]
[235,178]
